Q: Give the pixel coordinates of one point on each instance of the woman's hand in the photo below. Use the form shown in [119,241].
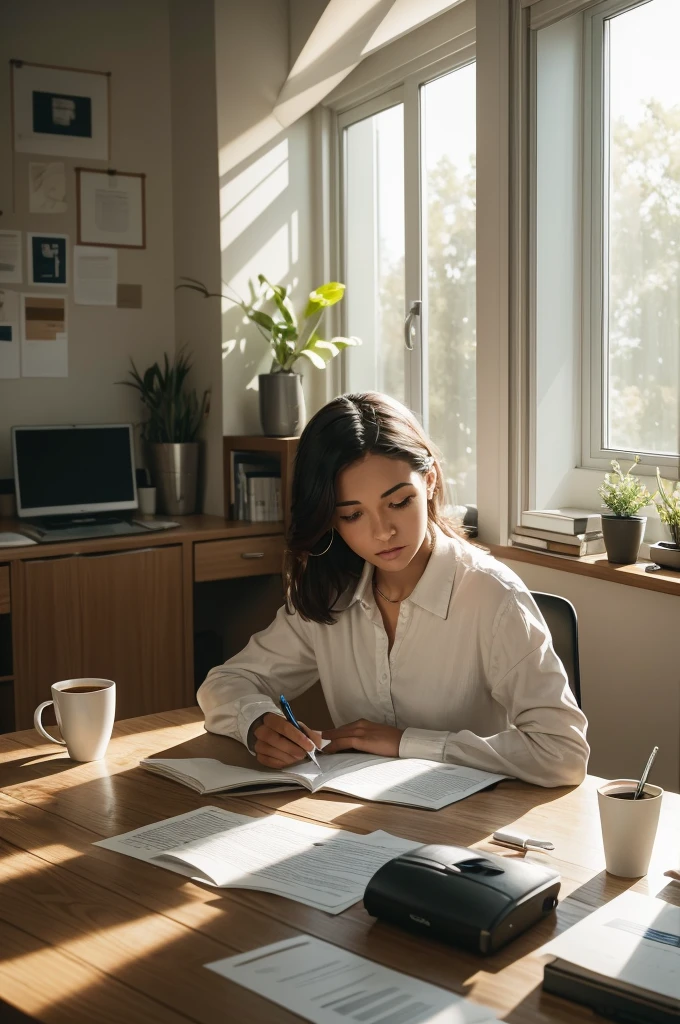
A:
[278,744]
[368,737]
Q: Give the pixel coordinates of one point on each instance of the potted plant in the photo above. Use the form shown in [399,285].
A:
[668,507]
[622,528]
[174,418]
[291,339]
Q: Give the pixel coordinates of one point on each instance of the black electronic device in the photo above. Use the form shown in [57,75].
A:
[468,898]
[67,471]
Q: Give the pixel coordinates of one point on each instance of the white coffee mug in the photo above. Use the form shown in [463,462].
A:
[85,710]
[628,826]
[146,496]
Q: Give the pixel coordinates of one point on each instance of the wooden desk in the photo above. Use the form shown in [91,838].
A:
[89,935]
[118,608]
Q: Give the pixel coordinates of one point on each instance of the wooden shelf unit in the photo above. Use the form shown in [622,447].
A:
[6,653]
[283,448]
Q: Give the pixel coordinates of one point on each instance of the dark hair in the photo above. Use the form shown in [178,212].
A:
[343,432]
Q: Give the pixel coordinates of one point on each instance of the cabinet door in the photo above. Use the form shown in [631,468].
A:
[133,629]
[46,618]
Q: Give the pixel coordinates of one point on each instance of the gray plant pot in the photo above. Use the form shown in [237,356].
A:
[282,404]
[666,554]
[174,470]
[622,537]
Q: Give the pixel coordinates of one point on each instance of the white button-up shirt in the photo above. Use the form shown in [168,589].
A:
[472,676]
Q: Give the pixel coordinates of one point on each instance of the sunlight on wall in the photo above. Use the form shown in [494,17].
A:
[246,196]
[239,149]
[338,20]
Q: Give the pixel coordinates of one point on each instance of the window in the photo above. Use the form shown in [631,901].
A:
[633,205]
[408,230]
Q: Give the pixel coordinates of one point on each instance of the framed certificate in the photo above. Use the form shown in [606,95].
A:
[60,111]
[111,208]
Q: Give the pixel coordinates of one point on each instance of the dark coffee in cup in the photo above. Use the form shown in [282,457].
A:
[629,796]
[81,689]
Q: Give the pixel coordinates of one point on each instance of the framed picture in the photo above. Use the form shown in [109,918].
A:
[111,208]
[47,259]
[60,111]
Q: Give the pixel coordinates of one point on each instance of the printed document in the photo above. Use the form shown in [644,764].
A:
[412,782]
[328,985]
[323,867]
[633,939]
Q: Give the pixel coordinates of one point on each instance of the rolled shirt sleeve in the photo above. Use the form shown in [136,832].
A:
[545,743]
[280,659]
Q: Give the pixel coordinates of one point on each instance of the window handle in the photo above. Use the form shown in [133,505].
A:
[413,312]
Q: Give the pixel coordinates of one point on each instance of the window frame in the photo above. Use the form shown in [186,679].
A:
[594,373]
[373,99]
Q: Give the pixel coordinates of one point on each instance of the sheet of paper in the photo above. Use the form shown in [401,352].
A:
[326,985]
[10,344]
[10,257]
[414,782]
[44,341]
[46,188]
[633,937]
[321,867]
[95,275]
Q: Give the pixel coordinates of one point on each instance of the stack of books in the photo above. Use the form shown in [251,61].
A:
[255,487]
[561,531]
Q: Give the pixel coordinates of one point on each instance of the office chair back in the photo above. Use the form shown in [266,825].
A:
[560,617]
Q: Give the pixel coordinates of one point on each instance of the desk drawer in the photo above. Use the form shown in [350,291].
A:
[246,556]
[5,604]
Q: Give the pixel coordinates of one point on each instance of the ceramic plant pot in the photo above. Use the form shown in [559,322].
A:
[174,468]
[622,537]
[282,404]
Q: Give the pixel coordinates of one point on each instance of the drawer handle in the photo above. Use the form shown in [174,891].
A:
[252,554]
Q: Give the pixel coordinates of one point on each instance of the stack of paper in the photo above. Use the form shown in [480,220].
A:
[325,984]
[325,868]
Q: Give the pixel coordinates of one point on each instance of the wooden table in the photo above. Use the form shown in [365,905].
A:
[90,936]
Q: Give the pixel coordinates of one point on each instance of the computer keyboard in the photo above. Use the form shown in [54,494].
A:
[85,531]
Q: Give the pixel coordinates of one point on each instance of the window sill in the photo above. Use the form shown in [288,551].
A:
[664,581]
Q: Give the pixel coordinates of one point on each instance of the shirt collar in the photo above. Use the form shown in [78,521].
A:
[433,590]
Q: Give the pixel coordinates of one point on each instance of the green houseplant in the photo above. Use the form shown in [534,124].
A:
[668,507]
[292,339]
[624,495]
[174,417]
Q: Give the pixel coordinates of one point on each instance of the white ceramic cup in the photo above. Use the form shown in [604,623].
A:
[146,496]
[628,827]
[84,716]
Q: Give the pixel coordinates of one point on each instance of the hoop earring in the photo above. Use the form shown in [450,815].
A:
[320,553]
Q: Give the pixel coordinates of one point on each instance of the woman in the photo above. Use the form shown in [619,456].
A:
[425,646]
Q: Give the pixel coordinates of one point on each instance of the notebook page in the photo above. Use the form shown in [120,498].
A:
[208,775]
[412,781]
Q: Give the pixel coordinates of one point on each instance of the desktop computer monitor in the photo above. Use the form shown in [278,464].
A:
[65,471]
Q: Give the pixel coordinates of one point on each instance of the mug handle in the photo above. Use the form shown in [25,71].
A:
[40,727]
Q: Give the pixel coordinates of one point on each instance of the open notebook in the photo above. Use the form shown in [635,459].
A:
[409,781]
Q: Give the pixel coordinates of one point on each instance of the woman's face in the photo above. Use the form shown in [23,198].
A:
[381,510]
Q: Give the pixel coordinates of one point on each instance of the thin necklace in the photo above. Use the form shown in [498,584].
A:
[385,597]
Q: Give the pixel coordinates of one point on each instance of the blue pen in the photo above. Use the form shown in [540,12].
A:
[288,712]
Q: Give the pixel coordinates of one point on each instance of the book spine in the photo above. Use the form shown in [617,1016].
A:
[520,541]
[242,494]
[561,538]
[569,526]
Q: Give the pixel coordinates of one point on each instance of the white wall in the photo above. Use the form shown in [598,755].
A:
[131,40]
[196,218]
[629,654]
[267,194]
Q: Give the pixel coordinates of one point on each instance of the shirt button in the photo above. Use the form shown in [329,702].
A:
[384,675]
